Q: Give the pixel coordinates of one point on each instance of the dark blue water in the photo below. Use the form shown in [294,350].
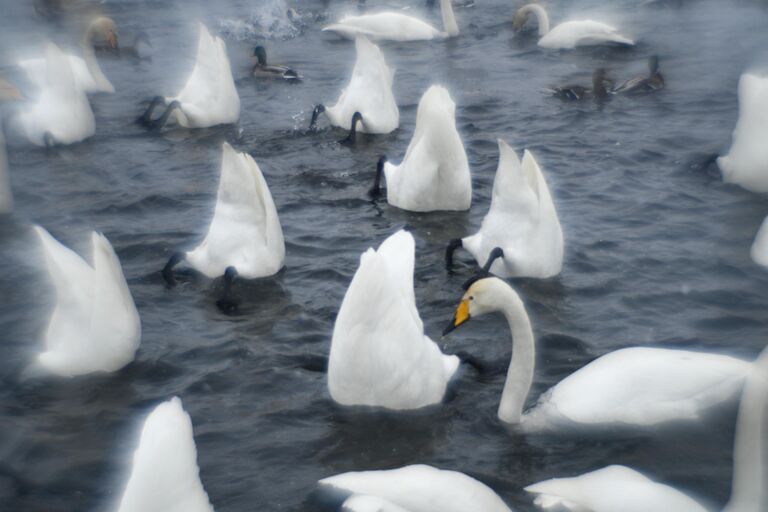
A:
[657,249]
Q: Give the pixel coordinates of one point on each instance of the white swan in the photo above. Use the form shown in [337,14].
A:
[165,476]
[368,99]
[245,231]
[88,74]
[621,488]
[395,26]
[434,174]
[569,34]
[95,326]
[62,114]
[522,221]
[633,386]
[419,488]
[363,503]
[209,97]
[380,355]
[759,251]
[746,164]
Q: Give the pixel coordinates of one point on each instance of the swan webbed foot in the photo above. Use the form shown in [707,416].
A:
[167,271]
[350,139]
[452,246]
[228,302]
[319,109]
[375,191]
[146,118]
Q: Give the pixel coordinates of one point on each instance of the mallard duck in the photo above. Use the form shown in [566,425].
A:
[653,82]
[262,68]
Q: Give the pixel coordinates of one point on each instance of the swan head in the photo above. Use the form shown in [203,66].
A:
[521,16]
[486,295]
[103,29]
[261,54]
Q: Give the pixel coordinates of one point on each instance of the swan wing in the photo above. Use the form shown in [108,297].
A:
[420,488]
[610,489]
[645,386]
[386,25]
[582,33]
[164,475]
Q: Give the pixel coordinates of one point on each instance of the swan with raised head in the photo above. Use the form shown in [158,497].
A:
[61,114]
[380,355]
[434,174]
[639,84]
[622,488]
[395,26]
[95,326]
[209,97]
[164,475]
[522,222]
[746,164]
[633,386]
[88,74]
[569,34]
[759,251]
[368,100]
[263,68]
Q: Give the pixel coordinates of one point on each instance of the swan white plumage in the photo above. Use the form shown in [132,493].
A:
[759,251]
[632,386]
[569,34]
[87,72]
[746,163]
[419,488]
[380,355]
[245,231]
[395,26]
[622,488]
[363,503]
[61,114]
[95,326]
[434,174]
[522,221]
[165,476]
[369,92]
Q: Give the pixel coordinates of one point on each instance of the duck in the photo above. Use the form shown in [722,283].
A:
[618,487]
[380,355]
[639,84]
[368,101]
[395,26]
[579,92]
[636,386]
[95,326]
[759,250]
[746,163]
[434,174]
[209,97]
[164,474]
[414,488]
[8,92]
[569,34]
[522,222]
[87,72]
[262,68]
[245,237]
[62,113]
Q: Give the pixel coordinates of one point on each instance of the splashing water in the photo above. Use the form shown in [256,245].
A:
[274,20]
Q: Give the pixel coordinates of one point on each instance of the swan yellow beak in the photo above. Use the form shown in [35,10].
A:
[461,316]
[112,40]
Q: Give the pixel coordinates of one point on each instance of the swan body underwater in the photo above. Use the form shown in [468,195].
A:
[521,221]
[62,113]
[209,97]
[164,475]
[416,488]
[380,355]
[759,251]
[368,99]
[622,488]
[640,386]
[746,164]
[395,26]
[434,174]
[569,34]
[95,326]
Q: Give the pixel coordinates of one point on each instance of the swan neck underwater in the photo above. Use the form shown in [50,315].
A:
[542,18]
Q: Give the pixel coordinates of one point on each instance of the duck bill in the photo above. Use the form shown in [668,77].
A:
[461,316]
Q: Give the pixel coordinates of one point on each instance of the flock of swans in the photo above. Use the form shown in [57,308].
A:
[380,355]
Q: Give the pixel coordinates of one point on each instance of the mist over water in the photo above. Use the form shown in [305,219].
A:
[657,247]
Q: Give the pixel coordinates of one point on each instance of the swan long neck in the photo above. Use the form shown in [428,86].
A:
[89,55]
[520,372]
[449,20]
[541,17]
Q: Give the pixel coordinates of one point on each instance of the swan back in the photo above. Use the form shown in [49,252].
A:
[759,251]
[434,174]
[746,164]
[379,353]
[369,92]
[165,476]
[209,96]
[420,488]
[392,26]
[571,34]
[245,231]
[95,325]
